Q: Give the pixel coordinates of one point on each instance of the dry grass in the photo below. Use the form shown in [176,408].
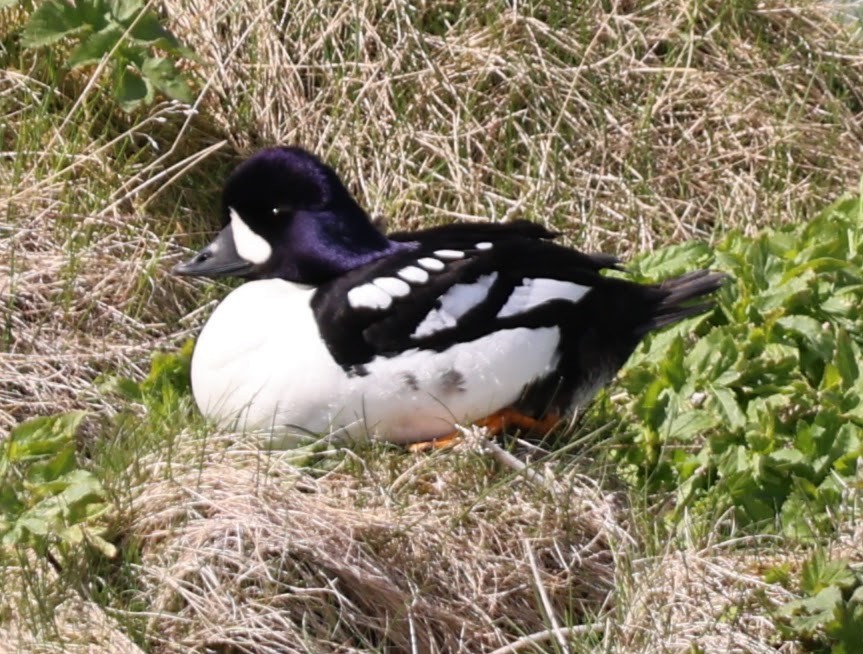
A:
[626,124]
[77,626]
[710,601]
[407,553]
[73,318]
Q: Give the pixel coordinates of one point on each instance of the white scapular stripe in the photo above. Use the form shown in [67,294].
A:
[534,292]
[485,245]
[449,254]
[435,265]
[457,301]
[250,246]
[369,296]
[414,275]
[395,287]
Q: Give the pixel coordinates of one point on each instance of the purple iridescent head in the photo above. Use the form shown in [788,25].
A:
[286,214]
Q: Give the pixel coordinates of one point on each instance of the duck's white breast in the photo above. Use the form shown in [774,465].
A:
[260,362]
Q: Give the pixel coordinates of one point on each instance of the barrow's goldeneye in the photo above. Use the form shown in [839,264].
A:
[343,329]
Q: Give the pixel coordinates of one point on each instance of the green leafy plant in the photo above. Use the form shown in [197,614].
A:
[757,405]
[140,51]
[164,388]
[829,617]
[46,499]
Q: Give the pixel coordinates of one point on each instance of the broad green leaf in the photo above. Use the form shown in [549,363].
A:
[756,506]
[50,22]
[170,371]
[43,436]
[714,354]
[820,265]
[847,449]
[811,614]
[780,294]
[81,484]
[809,438]
[148,29]
[164,76]
[811,330]
[672,366]
[651,405]
[782,244]
[10,502]
[819,572]
[832,378]
[37,522]
[73,535]
[849,206]
[847,629]
[847,355]
[48,469]
[95,46]
[125,10]
[845,303]
[131,90]
[95,13]
[796,518]
[127,388]
[675,260]
[727,406]
[733,461]
[78,498]
[787,457]
[688,425]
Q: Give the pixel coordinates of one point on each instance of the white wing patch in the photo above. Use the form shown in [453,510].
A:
[449,254]
[534,292]
[457,301]
[369,296]
[394,287]
[414,275]
[435,265]
[485,245]
[250,246]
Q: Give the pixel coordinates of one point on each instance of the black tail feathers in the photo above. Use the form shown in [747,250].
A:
[675,297]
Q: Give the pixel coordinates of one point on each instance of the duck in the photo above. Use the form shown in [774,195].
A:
[340,329]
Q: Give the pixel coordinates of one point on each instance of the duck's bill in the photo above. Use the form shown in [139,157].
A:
[218,259]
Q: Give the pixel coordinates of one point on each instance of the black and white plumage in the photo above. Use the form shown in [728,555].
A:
[345,329]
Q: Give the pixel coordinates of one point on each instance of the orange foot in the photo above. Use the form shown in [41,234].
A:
[495,423]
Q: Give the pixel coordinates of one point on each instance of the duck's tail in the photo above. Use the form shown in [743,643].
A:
[676,295]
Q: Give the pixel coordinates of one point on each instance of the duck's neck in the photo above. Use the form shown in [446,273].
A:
[326,245]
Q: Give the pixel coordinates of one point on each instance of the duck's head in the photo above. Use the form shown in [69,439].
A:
[286,214]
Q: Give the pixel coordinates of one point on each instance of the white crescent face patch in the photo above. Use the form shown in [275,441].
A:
[250,246]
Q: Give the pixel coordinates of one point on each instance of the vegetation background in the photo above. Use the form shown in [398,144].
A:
[720,128]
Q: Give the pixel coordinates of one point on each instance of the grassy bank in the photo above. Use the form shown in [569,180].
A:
[628,126]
